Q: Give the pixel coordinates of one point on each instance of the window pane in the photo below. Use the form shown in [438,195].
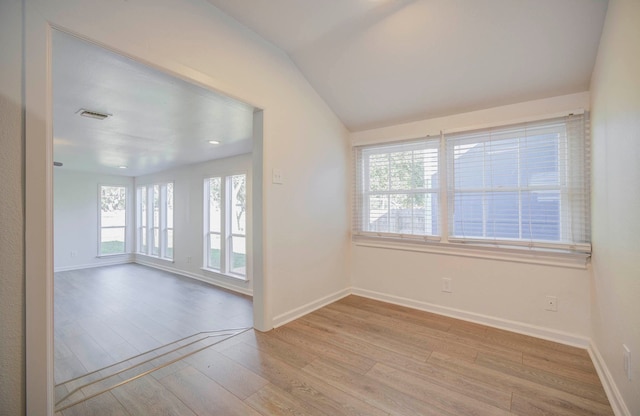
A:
[143,205]
[539,161]
[169,249]
[113,206]
[378,214]
[214,252]
[378,173]
[238,256]
[143,239]
[170,205]
[155,248]
[215,201]
[112,240]
[502,215]
[541,215]
[238,204]
[468,215]
[501,164]
[156,206]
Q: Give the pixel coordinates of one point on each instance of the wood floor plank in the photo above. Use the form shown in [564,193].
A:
[228,373]
[517,385]
[362,331]
[400,313]
[371,391]
[146,396]
[280,349]
[303,386]
[301,340]
[103,405]
[533,406]
[204,396]
[433,339]
[354,345]
[585,374]
[436,395]
[272,401]
[545,378]
[460,383]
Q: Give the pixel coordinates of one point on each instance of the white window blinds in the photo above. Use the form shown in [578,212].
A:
[397,189]
[525,184]
[521,185]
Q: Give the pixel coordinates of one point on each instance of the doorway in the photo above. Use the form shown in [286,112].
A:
[78,170]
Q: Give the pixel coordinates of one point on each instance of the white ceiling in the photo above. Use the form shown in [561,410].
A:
[381,62]
[158,122]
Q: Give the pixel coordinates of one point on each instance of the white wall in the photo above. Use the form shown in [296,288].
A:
[189,218]
[12,282]
[497,292]
[76,216]
[616,201]
[306,220]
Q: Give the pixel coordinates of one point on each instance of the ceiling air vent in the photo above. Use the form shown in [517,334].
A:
[93,114]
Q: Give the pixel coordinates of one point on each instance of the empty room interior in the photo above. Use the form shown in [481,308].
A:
[356,207]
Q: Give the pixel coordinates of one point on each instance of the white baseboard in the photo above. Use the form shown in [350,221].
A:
[309,307]
[613,394]
[521,328]
[210,280]
[102,263]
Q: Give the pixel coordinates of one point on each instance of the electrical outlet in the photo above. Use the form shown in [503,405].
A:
[551,304]
[446,285]
[74,253]
[189,259]
[626,353]
[277,177]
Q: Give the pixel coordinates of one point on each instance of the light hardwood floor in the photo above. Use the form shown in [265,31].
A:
[362,357]
[107,314]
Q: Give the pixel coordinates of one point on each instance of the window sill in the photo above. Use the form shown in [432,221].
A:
[155,257]
[103,256]
[225,275]
[547,258]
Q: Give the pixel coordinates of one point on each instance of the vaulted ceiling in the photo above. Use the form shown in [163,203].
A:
[375,62]
[382,62]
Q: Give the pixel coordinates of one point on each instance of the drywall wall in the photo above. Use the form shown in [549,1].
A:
[76,215]
[188,218]
[616,200]
[306,219]
[12,282]
[497,292]
[305,229]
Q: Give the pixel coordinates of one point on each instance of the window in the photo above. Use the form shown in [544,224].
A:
[113,220]
[225,224]
[155,220]
[397,194]
[517,185]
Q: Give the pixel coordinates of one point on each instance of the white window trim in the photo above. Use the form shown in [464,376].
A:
[225,226]
[162,229]
[577,256]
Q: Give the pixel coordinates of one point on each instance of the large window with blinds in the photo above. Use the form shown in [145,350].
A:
[517,185]
[398,189]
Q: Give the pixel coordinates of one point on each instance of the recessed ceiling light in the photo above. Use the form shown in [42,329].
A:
[122,167]
[214,142]
[92,114]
